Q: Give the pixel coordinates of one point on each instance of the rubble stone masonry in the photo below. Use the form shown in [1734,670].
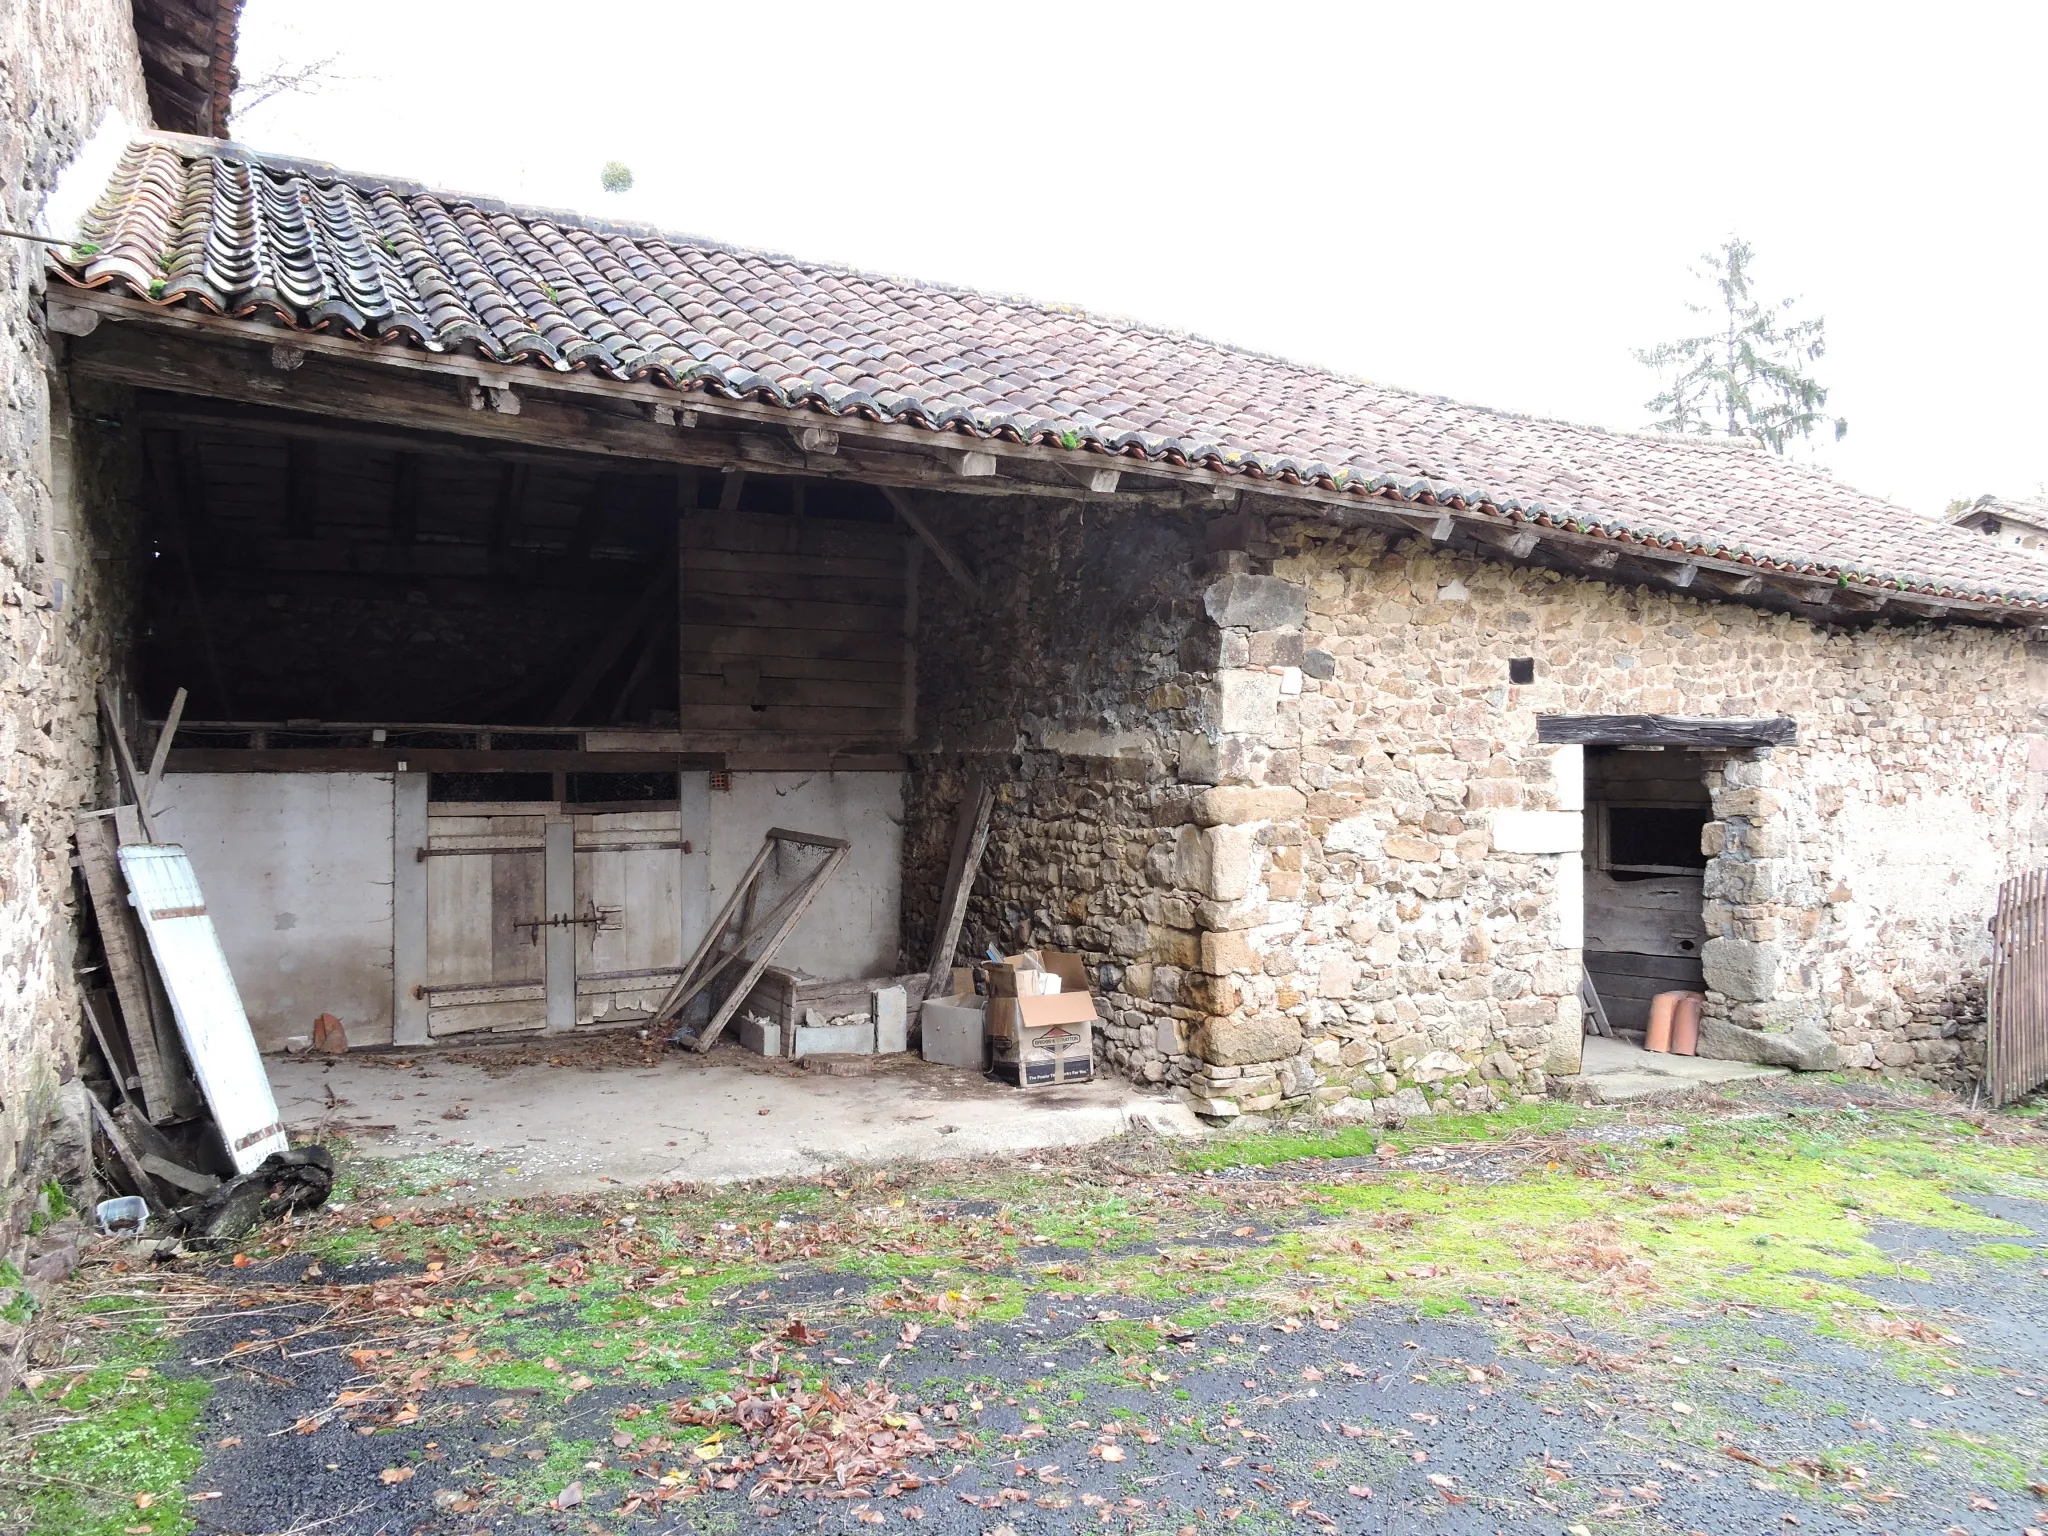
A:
[1284,795]
[63,63]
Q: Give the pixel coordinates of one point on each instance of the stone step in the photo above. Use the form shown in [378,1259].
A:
[1615,1072]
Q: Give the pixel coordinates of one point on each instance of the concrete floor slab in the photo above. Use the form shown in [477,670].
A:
[1617,1072]
[528,1124]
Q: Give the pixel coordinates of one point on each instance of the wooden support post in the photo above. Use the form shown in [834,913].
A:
[913,553]
[590,520]
[409,1022]
[162,753]
[729,493]
[612,645]
[558,880]
[175,515]
[955,568]
[120,941]
[302,488]
[138,788]
[405,506]
[505,517]
[970,840]
[144,1184]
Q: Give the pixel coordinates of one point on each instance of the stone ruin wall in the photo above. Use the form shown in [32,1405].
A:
[64,581]
[1068,685]
[1421,916]
[1295,813]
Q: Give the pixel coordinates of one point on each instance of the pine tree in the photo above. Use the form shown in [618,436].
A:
[1746,376]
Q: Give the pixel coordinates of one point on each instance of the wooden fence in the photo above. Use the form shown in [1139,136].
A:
[2017,1027]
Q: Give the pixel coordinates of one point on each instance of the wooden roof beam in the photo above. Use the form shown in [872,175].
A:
[583,409]
[955,567]
[1666,731]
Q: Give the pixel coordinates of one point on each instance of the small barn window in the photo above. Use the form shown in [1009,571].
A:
[653,791]
[490,788]
[1522,669]
[1653,839]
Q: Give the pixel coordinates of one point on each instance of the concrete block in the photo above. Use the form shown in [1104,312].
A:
[853,1039]
[1568,775]
[1230,862]
[1355,834]
[1571,904]
[1224,953]
[761,1036]
[1753,804]
[1242,601]
[1247,703]
[1807,1048]
[1236,1040]
[953,1029]
[1538,831]
[890,1010]
[1232,805]
[1737,968]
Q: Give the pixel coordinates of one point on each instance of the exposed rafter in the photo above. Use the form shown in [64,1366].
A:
[573,412]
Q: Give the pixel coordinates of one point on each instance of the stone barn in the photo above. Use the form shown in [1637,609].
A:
[522,568]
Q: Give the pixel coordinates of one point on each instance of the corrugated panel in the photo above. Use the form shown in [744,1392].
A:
[203,998]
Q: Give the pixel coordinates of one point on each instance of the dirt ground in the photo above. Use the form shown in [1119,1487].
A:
[1783,1306]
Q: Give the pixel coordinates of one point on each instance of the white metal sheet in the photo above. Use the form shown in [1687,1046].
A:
[204,1000]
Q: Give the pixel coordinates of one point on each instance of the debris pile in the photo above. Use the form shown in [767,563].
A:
[178,1100]
[815,1442]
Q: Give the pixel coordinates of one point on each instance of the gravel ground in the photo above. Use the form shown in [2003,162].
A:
[1391,1421]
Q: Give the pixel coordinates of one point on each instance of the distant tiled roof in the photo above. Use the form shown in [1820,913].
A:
[2012,509]
[218,226]
[188,61]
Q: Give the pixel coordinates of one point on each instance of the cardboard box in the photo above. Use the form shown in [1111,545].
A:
[963,981]
[1037,973]
[1042,1057]
[955,1031]
[1010,1018]
[1040,1041]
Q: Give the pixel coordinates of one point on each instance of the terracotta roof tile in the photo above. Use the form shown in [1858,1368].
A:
[213,224]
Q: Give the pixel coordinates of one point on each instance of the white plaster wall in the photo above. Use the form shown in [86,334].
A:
[296,868]
[852,928]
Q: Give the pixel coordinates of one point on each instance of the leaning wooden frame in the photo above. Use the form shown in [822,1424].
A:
[731,933]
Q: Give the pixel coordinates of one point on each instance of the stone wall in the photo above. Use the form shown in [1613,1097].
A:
[1285,796]
[1412,909]
[63,577]
[1066,685]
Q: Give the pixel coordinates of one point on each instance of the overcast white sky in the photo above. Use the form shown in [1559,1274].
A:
[1489,202]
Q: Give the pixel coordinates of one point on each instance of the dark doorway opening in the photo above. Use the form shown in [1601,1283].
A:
[1644,877]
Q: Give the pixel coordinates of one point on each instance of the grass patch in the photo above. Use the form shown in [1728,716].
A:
[113,1446]
[1268,1149]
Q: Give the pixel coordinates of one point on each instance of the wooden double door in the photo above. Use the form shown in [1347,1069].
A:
[531,918]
